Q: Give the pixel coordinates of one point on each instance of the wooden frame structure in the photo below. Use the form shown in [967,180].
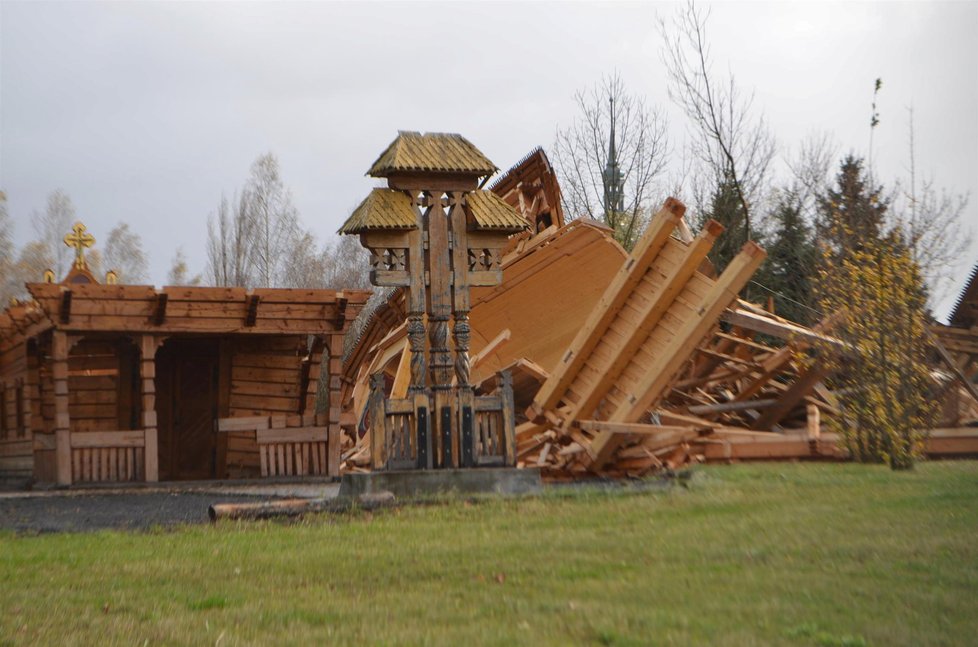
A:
[127,383]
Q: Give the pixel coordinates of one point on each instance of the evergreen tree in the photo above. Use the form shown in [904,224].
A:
[791,262]
[869,278]
[727,209]
[850,212]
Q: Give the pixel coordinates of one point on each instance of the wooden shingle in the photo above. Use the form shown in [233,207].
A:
[414,152]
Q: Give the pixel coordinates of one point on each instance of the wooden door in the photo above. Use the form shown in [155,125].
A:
[187,373]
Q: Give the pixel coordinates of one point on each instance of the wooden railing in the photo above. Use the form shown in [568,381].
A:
[402,436]
[275,446]
[300,451]
[108,456]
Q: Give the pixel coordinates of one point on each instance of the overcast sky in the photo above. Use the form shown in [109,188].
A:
[148,112]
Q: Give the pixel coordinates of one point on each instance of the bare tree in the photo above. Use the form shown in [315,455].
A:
[229,236]
[581,153]
[50,228]
[274,218]
[33,259]
[179,273]
[8,287]
[931,221]
[123,254]
[348,264]
[732,141]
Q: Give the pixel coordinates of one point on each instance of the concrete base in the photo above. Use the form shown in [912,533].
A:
[414,484]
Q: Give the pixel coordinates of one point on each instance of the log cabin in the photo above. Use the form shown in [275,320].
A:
[102,382]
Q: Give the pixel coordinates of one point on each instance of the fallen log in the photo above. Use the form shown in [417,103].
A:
[297,507]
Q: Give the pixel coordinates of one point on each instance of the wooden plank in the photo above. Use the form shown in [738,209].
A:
[291,435]
[791,398]
[108,439]
[774,327]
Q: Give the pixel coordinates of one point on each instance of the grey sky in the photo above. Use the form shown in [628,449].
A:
[147,112]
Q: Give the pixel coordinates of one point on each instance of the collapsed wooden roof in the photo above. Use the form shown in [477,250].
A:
[530,186]
[142,308]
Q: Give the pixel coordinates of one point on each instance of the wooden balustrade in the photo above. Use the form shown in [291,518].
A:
[299,451]
[108,456]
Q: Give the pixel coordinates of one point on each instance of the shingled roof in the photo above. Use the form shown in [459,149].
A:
[965,312]
[431,152]
[488,211]
[382,209]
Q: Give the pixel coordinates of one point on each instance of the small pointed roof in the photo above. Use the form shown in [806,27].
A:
[414,152]
[382,209]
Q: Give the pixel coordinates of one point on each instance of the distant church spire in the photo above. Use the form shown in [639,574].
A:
[611,177]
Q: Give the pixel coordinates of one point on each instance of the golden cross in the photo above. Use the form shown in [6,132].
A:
[79,239]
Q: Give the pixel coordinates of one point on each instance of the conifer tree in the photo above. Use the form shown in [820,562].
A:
[791,262]
[726,208]
[869,277]
[852,211]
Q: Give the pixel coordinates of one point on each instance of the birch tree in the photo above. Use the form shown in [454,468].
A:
[123,253]
[50,227]
[273,219]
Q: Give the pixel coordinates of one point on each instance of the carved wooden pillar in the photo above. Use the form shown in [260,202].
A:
[462,332]
[62,421]
[439,312]
[417,296]
[147,375]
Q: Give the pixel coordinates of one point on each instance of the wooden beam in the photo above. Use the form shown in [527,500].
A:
[64,312]
[340,320]
[159,309]
[251,318]
[775,328]
[946,357]
[792,397]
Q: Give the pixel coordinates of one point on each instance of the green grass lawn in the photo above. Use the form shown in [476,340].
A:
[756,554]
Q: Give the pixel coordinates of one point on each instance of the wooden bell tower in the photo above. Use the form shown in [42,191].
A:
[435,232]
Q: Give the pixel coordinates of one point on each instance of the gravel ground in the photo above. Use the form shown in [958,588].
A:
[129,510]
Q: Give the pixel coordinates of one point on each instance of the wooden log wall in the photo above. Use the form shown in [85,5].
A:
[93,386]
[267,375]
[16,451]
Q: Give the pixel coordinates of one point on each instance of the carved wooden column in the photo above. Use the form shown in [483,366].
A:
[147,375]
[439,312]
[417,295]
[462,332]
[62,421]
